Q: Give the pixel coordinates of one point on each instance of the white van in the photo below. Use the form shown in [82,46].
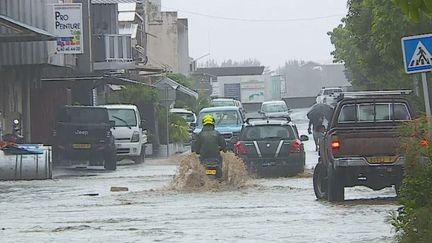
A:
[130,139]
[187,115]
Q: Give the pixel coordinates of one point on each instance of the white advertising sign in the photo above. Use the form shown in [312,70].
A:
[68,28]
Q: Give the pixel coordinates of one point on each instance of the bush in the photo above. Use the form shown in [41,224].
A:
[178,130]
[413,221]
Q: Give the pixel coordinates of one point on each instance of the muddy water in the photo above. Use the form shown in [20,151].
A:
[246,210]
[190,175]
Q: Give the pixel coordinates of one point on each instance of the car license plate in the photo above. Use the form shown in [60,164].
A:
[81,146]
[381,159]
[210,172]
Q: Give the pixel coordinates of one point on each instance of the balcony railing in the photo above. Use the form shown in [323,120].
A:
[112,52]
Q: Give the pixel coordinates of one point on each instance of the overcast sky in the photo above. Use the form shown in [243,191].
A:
[285,30]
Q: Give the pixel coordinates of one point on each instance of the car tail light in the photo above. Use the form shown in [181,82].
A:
[425,142]
[296,147]
[135,137]
[240,148]
[335,143]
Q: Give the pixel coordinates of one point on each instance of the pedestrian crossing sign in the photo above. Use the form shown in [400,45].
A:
[417,51]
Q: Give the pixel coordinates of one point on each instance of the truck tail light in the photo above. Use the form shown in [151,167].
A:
[335,143]
[240,148]
[296,146]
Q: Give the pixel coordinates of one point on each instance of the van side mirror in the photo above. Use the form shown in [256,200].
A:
[112,123]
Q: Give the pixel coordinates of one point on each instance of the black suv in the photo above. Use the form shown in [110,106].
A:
[271,147]
[83,133]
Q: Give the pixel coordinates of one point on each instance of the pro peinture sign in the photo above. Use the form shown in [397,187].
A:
[68,28]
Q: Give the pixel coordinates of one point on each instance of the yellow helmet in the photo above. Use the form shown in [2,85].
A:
[208,120]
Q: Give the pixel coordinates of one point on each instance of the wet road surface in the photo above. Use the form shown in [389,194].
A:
[77,206]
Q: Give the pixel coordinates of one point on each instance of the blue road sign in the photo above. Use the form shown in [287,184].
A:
[417,53]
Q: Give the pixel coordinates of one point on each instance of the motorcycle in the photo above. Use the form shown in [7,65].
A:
[213,167]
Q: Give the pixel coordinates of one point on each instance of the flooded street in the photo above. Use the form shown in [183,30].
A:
[78,206]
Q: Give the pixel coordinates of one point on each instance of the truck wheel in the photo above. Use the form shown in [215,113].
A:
[110,162]
[320,181]
[397,187]
[335,190]
[140,158]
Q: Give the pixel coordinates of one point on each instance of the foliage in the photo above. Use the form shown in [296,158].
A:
[415,8]
[413,222]
[133,94]
[369,43]
[178,128]
[181,79]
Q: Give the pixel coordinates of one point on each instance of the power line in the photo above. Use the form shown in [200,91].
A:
[256,20]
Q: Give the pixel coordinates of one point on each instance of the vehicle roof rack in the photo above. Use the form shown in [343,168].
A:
[357,94]
[267,118]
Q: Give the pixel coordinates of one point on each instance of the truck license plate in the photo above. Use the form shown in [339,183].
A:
[81,146]
[210,172]
[381,159]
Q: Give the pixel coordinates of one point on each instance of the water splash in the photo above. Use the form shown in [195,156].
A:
[190,175]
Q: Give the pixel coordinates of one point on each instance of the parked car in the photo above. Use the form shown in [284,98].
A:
[130,138]
[187,115]
[228,121]
[83,133]
[271,147]
[274,108]
[216,102]
[361,146]
[328,95]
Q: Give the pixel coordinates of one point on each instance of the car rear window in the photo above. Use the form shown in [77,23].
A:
[267,132]
[83,115]
[223,118]
[188,117]
[223,103]
[277,107]
[332,91]
[370,112]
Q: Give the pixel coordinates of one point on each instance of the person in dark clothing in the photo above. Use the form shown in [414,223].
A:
[209,142]
[318,129]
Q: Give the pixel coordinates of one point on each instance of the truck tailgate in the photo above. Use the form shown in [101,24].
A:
[366,142]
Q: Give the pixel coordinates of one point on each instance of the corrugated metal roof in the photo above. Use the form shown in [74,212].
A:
[16,31]
[176,86]
[232,71]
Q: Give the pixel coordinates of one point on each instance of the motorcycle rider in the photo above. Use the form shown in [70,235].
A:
[210,142]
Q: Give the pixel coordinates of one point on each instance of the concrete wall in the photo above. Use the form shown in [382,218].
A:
[162,42]
[262,83]
[183,46]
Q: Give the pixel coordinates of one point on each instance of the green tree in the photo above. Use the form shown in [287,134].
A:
[415,8]
[369,43]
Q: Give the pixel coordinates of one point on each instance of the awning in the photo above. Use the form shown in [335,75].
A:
[15,31]
[99,79]
[176,86]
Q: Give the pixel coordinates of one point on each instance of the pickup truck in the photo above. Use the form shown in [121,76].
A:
[360,147]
